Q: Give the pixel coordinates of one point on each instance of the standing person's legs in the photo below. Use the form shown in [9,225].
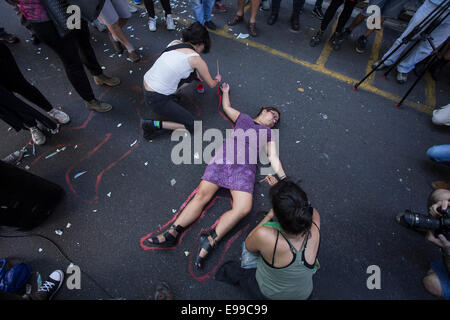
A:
[114,15]
[329,14]
[345,15]
[150,7]
[275,11]
[424,10]
[239,16]
[208,6]
[67,50]
[423,49]
[197,8]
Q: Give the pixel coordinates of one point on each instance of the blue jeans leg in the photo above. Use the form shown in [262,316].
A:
[440,153]
[207,9]
[197,7]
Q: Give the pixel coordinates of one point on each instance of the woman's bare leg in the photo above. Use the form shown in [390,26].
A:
[117,32]
[242,205]
[193,210]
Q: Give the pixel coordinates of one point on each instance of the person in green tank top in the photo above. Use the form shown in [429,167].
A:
[286,249]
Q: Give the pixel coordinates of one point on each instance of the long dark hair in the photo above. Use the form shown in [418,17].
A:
[197,34]
[291,207]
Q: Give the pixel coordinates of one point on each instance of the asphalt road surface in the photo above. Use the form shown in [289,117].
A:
[360,160]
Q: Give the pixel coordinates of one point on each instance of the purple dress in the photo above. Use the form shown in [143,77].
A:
[236,170]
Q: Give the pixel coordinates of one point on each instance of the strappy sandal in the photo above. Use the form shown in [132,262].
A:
[170,240]
[236,19]
[205,245]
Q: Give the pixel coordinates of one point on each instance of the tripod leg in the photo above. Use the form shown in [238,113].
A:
[417,80]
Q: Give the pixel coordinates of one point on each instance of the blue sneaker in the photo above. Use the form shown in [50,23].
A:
[137,1]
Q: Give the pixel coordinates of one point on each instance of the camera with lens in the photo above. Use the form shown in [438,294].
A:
[426,222]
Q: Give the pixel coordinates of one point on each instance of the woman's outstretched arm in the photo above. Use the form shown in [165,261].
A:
[275,162]
[232,113]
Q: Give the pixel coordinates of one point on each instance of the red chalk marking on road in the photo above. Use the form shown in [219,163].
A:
[84,125]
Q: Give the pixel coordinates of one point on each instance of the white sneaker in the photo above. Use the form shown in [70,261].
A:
[59,116]
[152,24]
[37,136]
[133,9]
[169,22]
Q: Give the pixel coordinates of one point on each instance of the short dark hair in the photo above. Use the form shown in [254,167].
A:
[270,109]
[197,34]
[291,207]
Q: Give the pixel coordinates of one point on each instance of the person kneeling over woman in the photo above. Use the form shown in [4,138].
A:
[179,65]
[286,250]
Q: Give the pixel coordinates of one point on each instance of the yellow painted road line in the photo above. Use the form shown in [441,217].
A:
[316,67]
[430,90]
[327,49]
[374,54]
[323,70]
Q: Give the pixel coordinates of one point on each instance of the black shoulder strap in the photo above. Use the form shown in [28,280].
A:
[179,46]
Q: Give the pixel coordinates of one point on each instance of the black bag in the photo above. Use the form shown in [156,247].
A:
[57,12]
[90,9]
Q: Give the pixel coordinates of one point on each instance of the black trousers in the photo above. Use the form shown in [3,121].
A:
[74,51]
[13,110]
[343,18]
[13,80]
[296,6]
[151,7]
[165,106]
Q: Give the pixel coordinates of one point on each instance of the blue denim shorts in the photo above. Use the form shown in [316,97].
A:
[389,8]
[439,268]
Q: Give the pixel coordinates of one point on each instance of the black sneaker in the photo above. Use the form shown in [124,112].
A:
[295,23]
[317,12]
[49,288]
[315,40]
[346,33]
[210,25]
[361,44]
[336,40]
[9,38]
[272,19]
[148,129]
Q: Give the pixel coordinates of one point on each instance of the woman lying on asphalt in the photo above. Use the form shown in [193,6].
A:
[179,64]
[225,172]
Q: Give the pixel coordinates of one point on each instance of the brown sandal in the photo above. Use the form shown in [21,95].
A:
[237,19]
[252,29]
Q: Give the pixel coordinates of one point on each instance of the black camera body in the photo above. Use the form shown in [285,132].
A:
[426,222]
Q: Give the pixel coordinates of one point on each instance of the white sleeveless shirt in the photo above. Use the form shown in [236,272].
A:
[167,71]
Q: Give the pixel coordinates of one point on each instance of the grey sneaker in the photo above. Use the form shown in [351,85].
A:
[14,157]
[315,40]
[100,26]
[169,22]
[381,65]
[37,136]
[105,80]
[361,44]
[402,77]
[152,24]
[50,286]
[59,116]
[98,106]
[132,8]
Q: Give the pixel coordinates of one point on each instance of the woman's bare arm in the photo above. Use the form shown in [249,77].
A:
[232,113]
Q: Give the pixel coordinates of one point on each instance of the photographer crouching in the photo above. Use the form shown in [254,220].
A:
[437,227]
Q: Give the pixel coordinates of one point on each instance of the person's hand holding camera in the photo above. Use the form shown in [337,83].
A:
[443,204]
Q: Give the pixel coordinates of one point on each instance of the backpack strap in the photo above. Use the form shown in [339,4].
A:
[178,46]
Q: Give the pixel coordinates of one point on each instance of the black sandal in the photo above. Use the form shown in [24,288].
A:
[206,245]
[170,240]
